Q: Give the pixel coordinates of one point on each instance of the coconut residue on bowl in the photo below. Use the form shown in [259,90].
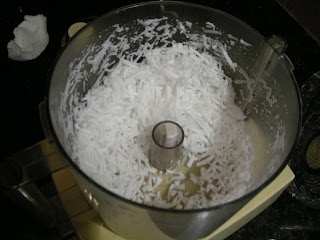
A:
[161,80]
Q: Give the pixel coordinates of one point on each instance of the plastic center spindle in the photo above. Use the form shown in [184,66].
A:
[167,137]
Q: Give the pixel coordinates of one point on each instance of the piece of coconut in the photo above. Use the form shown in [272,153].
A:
[30,38]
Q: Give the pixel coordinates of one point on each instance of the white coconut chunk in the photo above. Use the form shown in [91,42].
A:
[30,38]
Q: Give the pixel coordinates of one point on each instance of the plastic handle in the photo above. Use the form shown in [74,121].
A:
[278,43]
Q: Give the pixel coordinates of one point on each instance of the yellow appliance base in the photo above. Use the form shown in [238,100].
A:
[89,226]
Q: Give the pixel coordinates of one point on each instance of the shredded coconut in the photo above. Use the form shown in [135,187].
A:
[161,80]
[245,43]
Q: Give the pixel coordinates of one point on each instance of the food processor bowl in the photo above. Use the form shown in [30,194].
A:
[265,89]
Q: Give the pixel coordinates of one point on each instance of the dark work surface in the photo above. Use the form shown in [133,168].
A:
[305,12]
[287,218]
[24,84]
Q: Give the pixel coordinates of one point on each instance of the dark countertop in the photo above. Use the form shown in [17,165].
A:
[24,86]
[286,218]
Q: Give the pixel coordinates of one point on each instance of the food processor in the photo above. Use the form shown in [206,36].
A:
[265,89]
